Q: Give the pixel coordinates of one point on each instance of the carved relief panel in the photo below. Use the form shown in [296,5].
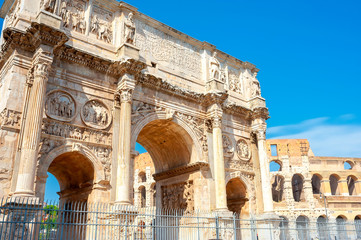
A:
[10,118]
[96,114]
[178,196]
[60,105]
[101,24]
[243,150]
[73,14]
[235,81]
[228,147]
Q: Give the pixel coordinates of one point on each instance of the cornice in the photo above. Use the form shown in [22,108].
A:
[160,84]
[260,112]
[30,39]
[190,168]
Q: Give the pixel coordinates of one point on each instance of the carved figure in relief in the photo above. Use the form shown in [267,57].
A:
[49,5]
[95,24]
[79,23]
[63,10]
[129,29]
[60,104]
[227,145]
[214,66]
[95,114]
[256,91]
[243,150]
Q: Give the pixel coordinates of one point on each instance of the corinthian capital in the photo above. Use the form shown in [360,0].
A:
[261,134]
[41,69]
[126,95]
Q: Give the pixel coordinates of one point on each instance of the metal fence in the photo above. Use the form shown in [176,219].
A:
[29,219]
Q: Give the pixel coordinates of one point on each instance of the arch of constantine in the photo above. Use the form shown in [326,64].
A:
[83,81]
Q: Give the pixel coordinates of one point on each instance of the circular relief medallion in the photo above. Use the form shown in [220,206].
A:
[243,150]
[96,114]
[60,105]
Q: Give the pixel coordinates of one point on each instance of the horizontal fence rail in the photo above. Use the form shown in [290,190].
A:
[28,219]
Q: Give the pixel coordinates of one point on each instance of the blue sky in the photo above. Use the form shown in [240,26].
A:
[308,53]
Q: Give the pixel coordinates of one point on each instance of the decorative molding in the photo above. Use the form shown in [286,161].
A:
[190,168]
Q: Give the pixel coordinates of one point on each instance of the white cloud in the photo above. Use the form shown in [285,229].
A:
[326,139]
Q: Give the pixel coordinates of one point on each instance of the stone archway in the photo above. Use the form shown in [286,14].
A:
[76,169]
[236,195]
[171,149]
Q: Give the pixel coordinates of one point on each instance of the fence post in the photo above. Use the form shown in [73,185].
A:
[217,227]
[234,227]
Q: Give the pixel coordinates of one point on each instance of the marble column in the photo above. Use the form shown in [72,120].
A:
[32,131]
[265,171]
[124,158]
[219,172]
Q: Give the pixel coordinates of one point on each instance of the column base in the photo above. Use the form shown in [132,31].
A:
[24,194]
[126,203]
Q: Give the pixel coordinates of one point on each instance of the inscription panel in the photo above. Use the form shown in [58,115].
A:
[167,50]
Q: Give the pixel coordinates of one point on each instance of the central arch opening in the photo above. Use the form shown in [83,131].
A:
[169,147]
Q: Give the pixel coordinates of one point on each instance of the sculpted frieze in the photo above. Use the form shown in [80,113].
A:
[104,155]
[10,118]
[243,150]
[178,196]
[235,81]
[237,164]
[199,127]
[101,24]
[141,109]
[64,130]
[72,14]
[167,49]
[60,105]
[96,114]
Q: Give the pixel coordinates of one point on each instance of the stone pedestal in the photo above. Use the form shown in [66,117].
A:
[215,85]
[128,50]
[49,19]
[22,218]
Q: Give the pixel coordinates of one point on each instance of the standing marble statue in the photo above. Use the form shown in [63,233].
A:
[214,66]
[129,29]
